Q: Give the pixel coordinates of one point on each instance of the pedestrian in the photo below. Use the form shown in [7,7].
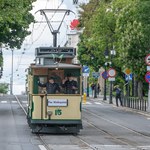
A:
[69,84]
[93,88]
[118,95]
[51,86]
[98,89]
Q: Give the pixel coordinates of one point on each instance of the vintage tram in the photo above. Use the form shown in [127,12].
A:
[60,112]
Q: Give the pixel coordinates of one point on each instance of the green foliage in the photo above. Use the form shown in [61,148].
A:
[4,88]
[120,24]
[123,24]
[132,29]
[15,19]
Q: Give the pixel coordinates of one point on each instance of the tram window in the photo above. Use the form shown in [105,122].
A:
[70,84]
[49,85]
[42,80]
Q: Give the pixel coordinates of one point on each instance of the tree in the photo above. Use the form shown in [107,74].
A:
[132,29]
[4,88]
[92,44]
[15,19]
[123,24]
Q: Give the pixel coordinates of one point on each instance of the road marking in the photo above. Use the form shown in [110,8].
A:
[42,147]
[98,103]
[148,118]
[24,102]
[14,101]
[88,103]
[4,102]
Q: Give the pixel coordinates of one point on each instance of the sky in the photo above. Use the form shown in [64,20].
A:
[40,36]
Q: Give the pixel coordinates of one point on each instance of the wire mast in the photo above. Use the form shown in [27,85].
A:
[54,32]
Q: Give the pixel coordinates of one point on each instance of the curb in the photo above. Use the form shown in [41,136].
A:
[145,113]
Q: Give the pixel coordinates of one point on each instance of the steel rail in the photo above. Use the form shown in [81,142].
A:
[114,123]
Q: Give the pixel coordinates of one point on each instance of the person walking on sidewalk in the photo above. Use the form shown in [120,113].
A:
[92,88]
[118,95]
[98,89]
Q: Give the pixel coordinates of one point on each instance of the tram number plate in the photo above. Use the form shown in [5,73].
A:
[58,102]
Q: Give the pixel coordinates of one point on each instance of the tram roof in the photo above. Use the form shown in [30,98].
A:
[58,65]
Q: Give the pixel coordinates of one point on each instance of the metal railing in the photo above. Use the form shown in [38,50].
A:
[135,103]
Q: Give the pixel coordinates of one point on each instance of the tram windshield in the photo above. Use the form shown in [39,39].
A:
[61,81]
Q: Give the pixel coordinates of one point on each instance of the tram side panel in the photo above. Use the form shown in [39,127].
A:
[60,107]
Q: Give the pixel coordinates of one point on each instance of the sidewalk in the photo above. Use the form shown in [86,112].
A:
[101,97]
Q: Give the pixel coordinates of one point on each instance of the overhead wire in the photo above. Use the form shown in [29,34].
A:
[33,29]
[31,38]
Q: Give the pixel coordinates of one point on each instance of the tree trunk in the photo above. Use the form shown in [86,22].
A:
[140,90]
[135,88]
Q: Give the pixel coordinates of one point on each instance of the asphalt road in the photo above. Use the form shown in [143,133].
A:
[105,127]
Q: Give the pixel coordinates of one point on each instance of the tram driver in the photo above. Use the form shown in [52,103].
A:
[69,84]
[51,86]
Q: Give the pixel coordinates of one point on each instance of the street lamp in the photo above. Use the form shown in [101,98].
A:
[106,53]
[112,54]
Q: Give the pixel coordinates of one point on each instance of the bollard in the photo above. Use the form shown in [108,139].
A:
[84,98]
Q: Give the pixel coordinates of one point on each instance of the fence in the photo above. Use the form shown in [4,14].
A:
[135,103]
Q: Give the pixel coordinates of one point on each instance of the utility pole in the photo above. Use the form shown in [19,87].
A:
[11,79]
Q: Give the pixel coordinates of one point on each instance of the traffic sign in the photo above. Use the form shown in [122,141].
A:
[127,71]
[147,59]
[85,69]
[85,74]
[128,77]
[111,79]
[105,75]
[95,74]
[147,77]
[111,72]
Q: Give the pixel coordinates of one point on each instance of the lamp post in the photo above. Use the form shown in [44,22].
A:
[105,98]
[112,53]
[106,53]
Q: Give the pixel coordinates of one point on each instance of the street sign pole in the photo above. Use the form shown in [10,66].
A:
[147,79]
[148,104]
[85,72]
[111,74]
[105,76]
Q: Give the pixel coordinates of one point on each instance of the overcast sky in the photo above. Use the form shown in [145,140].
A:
[41,36]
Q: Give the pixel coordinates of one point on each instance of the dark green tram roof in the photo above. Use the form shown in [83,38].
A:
[58,65]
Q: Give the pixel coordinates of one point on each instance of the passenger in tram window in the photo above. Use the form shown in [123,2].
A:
[51,86]
[70,85]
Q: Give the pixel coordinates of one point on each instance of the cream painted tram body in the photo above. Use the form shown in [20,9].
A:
[60,112]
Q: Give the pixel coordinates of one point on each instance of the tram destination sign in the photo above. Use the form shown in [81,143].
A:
[55,50]
[58,102]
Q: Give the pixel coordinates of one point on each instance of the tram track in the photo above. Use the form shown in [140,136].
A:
[81,142]
[122,141]
[44,145]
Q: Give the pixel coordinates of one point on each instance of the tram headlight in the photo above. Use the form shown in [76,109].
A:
[49,113]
